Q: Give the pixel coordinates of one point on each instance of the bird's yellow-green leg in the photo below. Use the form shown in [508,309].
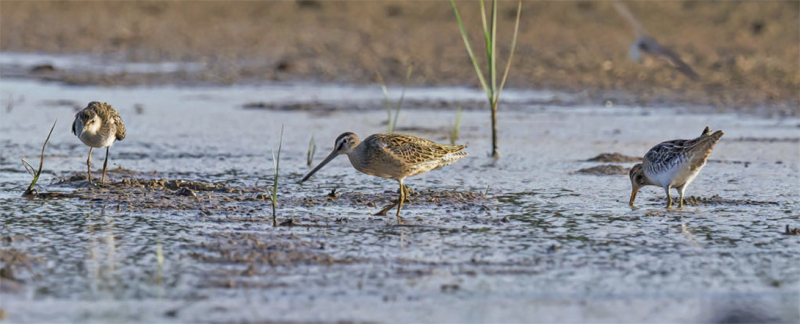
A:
[395,203]
[403,196]
[105,166]
[408,193]
[89,166]
[669,197]
[680,191]
[386,209]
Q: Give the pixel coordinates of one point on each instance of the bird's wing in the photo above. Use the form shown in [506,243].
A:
[669,57]
[695,151]
[75,123]
[665,154]
[120,127]
[412,150]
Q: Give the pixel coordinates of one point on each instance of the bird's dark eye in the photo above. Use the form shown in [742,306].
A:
[639,178]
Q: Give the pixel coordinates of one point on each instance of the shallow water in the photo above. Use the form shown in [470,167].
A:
[538,243]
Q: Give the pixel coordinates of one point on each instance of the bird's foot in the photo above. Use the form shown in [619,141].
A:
[383,211]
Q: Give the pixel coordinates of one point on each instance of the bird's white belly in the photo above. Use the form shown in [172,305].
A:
[685,176]
[676,175]
[96,140]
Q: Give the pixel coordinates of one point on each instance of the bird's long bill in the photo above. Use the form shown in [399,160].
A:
[330,157]
[633,196]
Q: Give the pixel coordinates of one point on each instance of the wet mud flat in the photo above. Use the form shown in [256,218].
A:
[183,232]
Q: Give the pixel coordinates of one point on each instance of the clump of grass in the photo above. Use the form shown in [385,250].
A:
[491,88]
[30,191]
[456,127]
[276,161]
[312,148]
[391,123]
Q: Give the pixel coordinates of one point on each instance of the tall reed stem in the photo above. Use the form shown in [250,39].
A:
[491,88]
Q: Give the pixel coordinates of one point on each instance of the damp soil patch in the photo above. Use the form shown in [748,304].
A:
[231,203]
[614,158]
[603,170]
[716,200]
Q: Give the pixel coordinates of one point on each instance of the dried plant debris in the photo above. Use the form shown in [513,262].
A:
[614,158]
[358,199]
[234,203]
[791,231]
[604,170]
[317,106]
[717,200]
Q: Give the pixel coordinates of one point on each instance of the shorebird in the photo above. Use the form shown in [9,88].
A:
[673,164]
[393,156]
[647,45]
[98,125]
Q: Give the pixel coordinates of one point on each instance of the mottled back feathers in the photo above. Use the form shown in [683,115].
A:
[111,121]
[411,150]
[399,156]
[695,152]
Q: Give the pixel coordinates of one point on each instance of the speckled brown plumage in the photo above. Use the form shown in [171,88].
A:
[673,164]
[111,119]
[98,125]
[393,156]
[398,156]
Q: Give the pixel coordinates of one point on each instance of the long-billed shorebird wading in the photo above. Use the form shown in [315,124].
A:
[673,164]
[647,45]
[393,156]
[98,125]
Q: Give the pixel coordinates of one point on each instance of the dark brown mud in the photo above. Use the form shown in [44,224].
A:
[604,170]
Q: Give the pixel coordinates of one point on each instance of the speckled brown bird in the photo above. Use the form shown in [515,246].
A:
[673,164]
[98,125]
[393,156]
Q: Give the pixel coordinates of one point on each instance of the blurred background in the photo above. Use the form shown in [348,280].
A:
[746,52]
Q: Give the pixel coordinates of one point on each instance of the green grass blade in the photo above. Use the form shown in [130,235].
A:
[28,167]
[510,55]
[312,148]
[41,160]
[386,102]
[493,56]
[456,127]
[402,96]
[486,36]
[469,50]
[276,162]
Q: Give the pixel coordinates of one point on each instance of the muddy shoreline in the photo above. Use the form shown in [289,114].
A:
[745,52]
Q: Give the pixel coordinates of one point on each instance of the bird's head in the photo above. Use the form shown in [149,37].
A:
[88,122]
[344,145]
[638,180]
[635,50]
